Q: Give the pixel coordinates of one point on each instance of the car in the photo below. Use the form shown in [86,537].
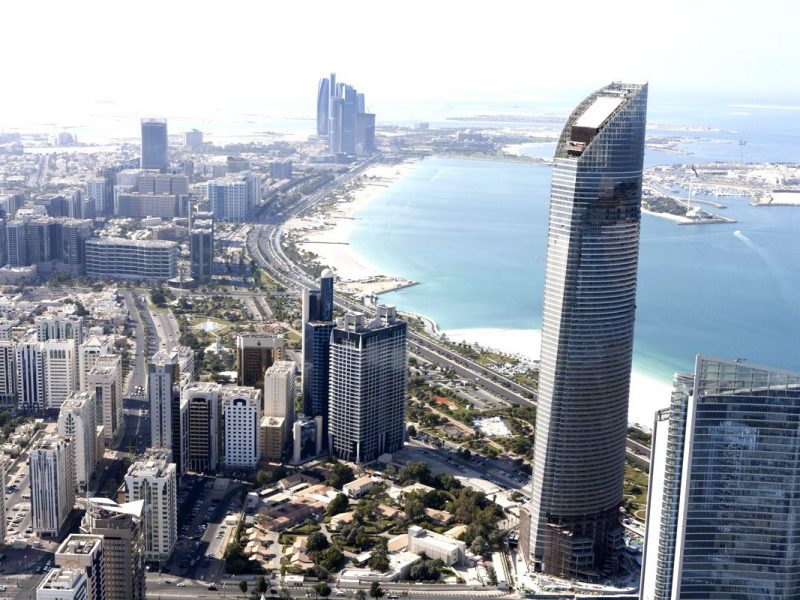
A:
[212,588]
[180,584]
[168,581]
[340,593]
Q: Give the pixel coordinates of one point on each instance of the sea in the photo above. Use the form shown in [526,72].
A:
[473,234]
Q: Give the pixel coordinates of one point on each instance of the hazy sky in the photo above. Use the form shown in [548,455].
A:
[252,55]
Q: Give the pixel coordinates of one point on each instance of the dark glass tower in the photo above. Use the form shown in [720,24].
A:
[154,144]
[323,98]
[723,516]
[317,326]
[587,335]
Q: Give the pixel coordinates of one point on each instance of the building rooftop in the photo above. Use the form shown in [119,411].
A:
[62,578]
[282,368]
[113,241]
[100,505]
[598,111]
[155,462]
[79,544]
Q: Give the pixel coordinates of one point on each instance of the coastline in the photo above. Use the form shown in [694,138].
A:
[327,234]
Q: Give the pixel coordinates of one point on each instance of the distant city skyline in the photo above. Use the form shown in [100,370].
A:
[699,50]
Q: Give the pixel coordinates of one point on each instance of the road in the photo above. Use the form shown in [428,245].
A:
[137,376]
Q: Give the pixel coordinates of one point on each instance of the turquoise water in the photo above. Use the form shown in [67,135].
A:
[473,233]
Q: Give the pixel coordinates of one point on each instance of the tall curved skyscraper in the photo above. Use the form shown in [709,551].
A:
[323,98]
[587,335]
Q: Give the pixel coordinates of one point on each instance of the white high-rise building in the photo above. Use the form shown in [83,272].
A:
[163,392]
[52,487]
[153,478]
[77,422]
[3,469]
[104,380]
[30,375]
[60,371]
[87,552]
[241,416]
[63,583]
[59,327]
[88,352]
[229,199]
[279,392]
[96,189]
[8,375]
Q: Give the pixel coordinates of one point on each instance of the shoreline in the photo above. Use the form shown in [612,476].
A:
[327,231]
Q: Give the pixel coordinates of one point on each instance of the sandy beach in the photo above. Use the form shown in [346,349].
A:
[648,393]
[667,216]
[327,233]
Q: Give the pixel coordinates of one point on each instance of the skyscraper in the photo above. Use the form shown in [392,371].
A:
[587,335]
[153,479]
[86,551]
[279,390]
[323,97]
[368,380]
[123,545]
[202,247]
[241,416]
[29,362]
[52,485]
[77,421]
[723,516]
[201,401]
[317,326]
[164,394]
[255,353]
[155,150]
[104,381]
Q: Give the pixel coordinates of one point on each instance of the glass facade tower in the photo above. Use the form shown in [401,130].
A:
[727,523]
[155,150]
[587,335]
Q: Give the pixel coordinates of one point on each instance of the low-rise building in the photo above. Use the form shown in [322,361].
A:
[273,439]
[87,552]
[434,545]
[118,258]
[360,486]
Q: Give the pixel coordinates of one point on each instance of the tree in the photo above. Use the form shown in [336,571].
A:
[262,478]
[261,585]
[339,504]
[491,574]
[330,558]
[379,561]
[411,431]
[322,589]
[317,542]
[375,590]
[361,595]
[479,545]
[243,586]
[338,475]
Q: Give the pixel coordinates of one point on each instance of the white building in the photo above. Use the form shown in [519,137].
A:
[119,258]
[435,545]
[59,327]
[104,380]
[87,552]
[64,583]
[163,377]
[60,371]
[77,421]
[202,430]
[153,478]
[241,415]
[229,199]
[3,469]
[96,190]
[8,375]
[279,392]
[52,487]
[30,375]
[88,352]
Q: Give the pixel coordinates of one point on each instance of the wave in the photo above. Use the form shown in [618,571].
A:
[747,241]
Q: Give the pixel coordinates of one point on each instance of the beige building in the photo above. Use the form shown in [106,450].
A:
[279,393]
[435,545]
[273,437]
[52,485]
[255,353]
[77,421]
[63,583]
[200,408]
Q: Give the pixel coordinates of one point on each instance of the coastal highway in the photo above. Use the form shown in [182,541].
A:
[264,245]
